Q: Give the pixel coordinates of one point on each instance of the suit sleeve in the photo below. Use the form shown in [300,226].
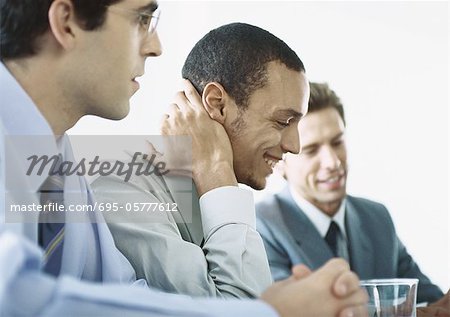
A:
[404,264]
[408,268]
[231,263]
[280,265]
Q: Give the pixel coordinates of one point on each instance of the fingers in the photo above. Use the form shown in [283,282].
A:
[187,102]
[192,94]
[443,301]
[356,311]
[173,109]
[167,120]
[188,98]
[441,312]
[430,311]
[300,271]
[355,304]
[331,270]
[182,102]
[345,284]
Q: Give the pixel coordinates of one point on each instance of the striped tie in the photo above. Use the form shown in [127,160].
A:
[51,222]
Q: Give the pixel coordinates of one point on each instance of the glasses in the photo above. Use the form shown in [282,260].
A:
[147,21]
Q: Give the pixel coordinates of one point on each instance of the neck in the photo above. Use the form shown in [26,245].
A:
[38,76]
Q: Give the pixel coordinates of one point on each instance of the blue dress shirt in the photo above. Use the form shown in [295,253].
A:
[95,279]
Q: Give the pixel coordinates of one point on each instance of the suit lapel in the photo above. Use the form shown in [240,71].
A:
[361,257]
[303,231]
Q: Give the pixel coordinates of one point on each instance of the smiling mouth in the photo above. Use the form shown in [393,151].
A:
[271,162]
[331,180]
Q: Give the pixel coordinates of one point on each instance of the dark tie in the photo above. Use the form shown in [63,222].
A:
[51,223]
[332,237]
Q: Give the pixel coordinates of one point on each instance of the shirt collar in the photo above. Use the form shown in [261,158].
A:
[25,128]
[319,219]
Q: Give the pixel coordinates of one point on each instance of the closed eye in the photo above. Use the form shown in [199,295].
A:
[309,151]
[338,140]
[337,143]
[283,124]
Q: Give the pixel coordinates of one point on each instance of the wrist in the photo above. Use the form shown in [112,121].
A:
[210,176]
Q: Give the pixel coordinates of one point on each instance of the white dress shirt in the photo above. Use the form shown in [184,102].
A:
[322,221]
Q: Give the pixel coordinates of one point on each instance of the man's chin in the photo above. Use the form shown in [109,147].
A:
[332,198]
[110,116]
[256,184]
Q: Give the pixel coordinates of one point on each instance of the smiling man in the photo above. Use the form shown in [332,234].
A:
[313,219]
[254,89]
[62,60]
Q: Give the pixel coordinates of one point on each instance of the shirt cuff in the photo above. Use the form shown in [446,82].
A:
[225,205]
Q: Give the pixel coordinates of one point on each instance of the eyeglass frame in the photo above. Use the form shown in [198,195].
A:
[154,17]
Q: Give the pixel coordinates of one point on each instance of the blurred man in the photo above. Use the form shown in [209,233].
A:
[313,219]
[62,60]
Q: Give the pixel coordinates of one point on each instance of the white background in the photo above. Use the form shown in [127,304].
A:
[388,61]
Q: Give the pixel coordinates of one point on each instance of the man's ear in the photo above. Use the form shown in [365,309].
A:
[215,100]
[62,20]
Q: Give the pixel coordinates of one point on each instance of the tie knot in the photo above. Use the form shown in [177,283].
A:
[333,229]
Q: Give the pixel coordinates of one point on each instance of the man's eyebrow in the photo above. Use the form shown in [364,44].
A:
[290,113]
[337,136]
[150,7]
[309,146]
[315,144]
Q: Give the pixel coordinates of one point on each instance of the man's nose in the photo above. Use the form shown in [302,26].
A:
[152,46]
[290,140]
[329,159]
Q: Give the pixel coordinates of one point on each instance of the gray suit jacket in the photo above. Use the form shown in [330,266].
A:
[375,250]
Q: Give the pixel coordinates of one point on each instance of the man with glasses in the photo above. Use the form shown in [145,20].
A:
[62,60]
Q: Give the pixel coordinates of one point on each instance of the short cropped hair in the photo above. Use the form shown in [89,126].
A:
[321,97]
[236,56]
[22,22]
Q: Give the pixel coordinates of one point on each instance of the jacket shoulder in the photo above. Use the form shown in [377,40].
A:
[369,208]
[268,207]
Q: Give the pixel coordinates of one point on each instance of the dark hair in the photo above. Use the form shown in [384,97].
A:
[22,22]
[236,56]
[321,97]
